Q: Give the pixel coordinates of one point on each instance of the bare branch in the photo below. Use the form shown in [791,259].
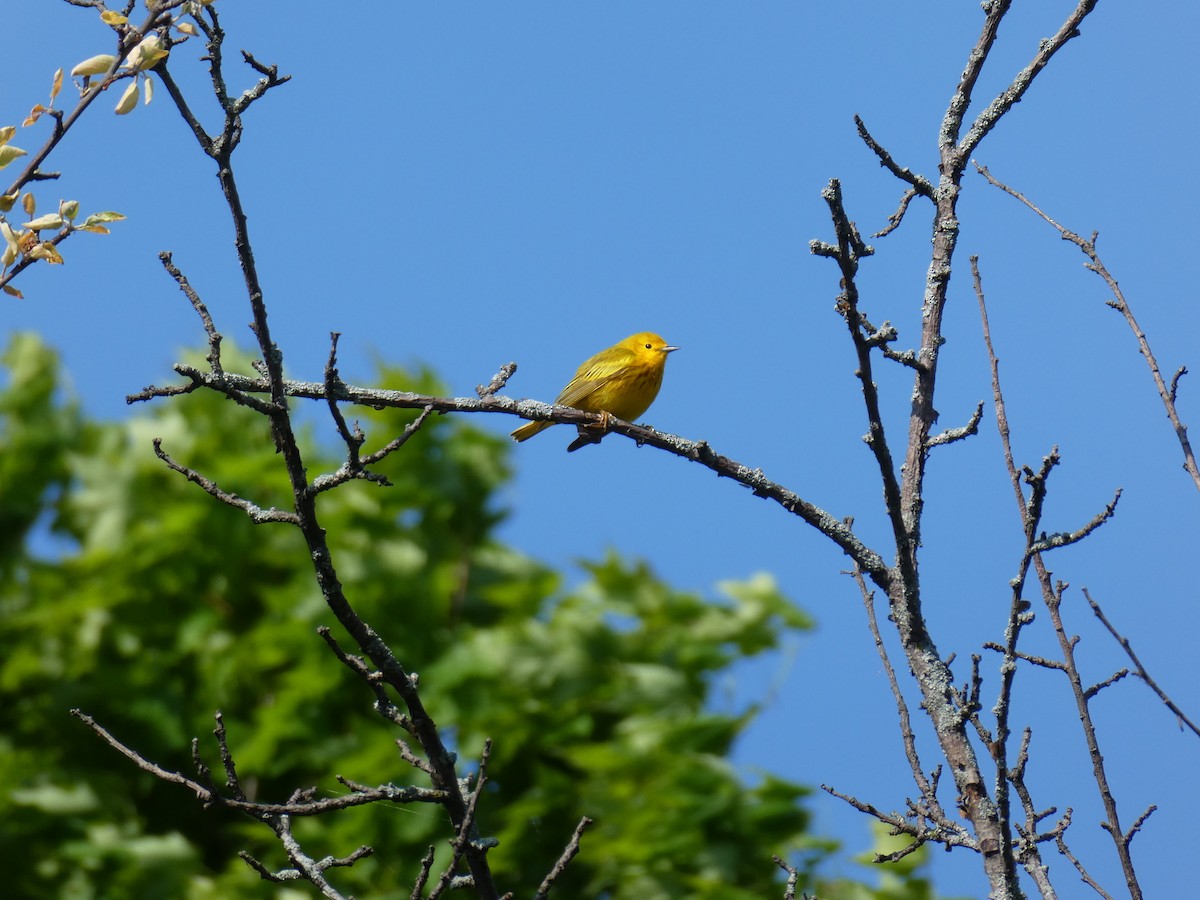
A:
[1054,541]
[897,217]
[990,117]
[1088,247]
[1030,658]
[418,890]
[994,13]
[467,834]
[271,78]
[1083,873]
[950,435]
[1030,512]
[307,868]
[1107,682]
[563,860]
[355,466]
[1141,670]
[1028,851]
[882,337]
[919,184]
[1112,822]
[897,855]
[210,330]
[440,760]
[696,451]
[396,443]
[208,796]
[849,250]
[383,703]
[952,837]
[499,380]
[907,735]
[793,877]
[1139,822]
[231,777]
[1179,373]
[257,514]
[176,94]
[332,379]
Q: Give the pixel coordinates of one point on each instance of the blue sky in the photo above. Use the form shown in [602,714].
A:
[466,185]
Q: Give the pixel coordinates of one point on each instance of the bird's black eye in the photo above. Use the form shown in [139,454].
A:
[648,347]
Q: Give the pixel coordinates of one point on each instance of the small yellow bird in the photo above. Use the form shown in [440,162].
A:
[621,381]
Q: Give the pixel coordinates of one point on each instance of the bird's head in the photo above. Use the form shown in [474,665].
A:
[648,344]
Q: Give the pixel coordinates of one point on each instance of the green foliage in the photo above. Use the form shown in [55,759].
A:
[146,603]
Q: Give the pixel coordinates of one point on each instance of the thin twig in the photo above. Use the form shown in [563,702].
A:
[1030,513]
[210,330]
[1141,672]
[231,777]
[1064,539]
[383,704]
[207,795]
[918,184]
[907,735]
[897,217]
[499,380]
[952,837]
[1112,823]
[1032,659]
[847,252]
[563,860]
[1120,304]
[1083,873]
[950,435]
[793,877]
[1029,853]
[418,890]
[257,514]
[466,830]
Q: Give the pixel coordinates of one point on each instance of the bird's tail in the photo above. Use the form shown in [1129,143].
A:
[525,432]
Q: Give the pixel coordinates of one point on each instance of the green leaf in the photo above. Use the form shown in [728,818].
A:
[50,221]
[94,65]
[8,153]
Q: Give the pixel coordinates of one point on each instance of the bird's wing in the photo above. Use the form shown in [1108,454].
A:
[592,375]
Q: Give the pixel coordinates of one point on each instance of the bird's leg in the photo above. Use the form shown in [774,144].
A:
[591,434]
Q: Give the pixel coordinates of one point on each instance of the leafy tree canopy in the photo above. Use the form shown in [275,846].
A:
[131,594]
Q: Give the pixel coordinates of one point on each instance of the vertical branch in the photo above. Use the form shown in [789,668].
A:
[850,249]
[220,149]
[1053,595]
[903,589]
[930,671]
[1017,614]
[954,154]
[1031,515]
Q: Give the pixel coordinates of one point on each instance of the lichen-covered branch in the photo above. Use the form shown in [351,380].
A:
[234,385]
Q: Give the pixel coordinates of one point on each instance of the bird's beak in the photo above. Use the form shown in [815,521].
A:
[669,349]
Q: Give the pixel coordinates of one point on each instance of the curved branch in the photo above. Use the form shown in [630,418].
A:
[697,451]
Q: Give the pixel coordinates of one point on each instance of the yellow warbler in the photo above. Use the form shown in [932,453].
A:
[621,381]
